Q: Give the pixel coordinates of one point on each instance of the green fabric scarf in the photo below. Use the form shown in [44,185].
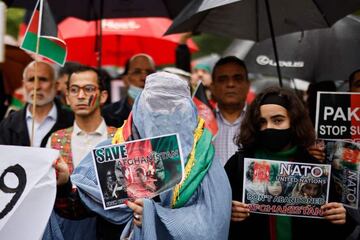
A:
[283,223]
[204,153]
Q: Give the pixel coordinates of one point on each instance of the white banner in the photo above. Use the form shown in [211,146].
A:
[27,191]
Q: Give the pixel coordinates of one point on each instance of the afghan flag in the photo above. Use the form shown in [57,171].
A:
[204,109]
[42,26]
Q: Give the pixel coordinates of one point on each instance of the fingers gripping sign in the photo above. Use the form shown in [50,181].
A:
[62,171]
[137,207]
[240,211]
[334,212]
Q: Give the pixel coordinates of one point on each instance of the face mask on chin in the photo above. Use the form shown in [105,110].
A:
[134,92]
[275,140]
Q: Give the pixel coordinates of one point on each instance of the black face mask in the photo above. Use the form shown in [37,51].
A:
[275,139]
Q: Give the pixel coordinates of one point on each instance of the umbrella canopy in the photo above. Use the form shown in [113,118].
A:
[122,38]
[314,55]
[248,19]
[258,20]
[98,9]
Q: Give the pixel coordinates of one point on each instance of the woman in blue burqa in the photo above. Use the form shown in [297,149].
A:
[199,207]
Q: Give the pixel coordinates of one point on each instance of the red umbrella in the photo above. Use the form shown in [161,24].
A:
[121,38]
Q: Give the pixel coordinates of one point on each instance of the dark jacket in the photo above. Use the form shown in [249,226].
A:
[13,129]
[256,226]
[116,113]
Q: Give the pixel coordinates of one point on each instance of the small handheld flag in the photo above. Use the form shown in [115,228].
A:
[42,36]
[205,110]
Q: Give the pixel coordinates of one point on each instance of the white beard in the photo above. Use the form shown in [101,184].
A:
[40,102]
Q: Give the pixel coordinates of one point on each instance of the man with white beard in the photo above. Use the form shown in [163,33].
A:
[49,114]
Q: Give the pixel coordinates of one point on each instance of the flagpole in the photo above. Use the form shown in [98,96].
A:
[36,80]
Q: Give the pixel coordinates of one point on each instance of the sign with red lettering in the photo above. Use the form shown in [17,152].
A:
[285,188]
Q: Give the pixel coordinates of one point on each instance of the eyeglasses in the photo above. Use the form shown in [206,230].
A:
[88,89]
[141,71]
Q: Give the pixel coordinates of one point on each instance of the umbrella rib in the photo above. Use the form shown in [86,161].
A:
[257,19]
[201,20]
[322,13]
[354,18]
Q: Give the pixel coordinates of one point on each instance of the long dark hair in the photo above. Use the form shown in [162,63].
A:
[300,123]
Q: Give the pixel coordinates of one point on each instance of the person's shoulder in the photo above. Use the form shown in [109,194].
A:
[115,113]
[238,158]
[235,159]
[64,110]
[238,154]
[14,117]
[62,131]
[56,136]
[115,106]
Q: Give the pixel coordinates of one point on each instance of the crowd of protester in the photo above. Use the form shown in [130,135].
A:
[72,114]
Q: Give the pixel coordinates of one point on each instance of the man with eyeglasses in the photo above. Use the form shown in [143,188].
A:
[137,68]
[49,115]
[85,95]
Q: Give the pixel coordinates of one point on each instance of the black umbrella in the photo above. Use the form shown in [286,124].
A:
[99,9]
[258,20]
[314,55]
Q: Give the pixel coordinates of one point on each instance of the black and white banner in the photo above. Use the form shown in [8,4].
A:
[27,191]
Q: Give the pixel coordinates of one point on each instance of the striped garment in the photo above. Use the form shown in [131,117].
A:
[205,216]
[224,140]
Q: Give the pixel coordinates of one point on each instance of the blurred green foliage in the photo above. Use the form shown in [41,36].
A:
[209,43]
[14,18]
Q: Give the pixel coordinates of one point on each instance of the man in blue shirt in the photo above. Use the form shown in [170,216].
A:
[49,115]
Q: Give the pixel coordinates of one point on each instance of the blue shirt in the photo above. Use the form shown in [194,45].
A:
[224,143]
[41,129]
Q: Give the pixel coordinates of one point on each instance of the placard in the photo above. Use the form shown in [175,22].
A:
[285,188]
[138,169]
[27,191]
[338,116]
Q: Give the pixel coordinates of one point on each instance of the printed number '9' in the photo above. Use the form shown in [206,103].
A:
[20,173]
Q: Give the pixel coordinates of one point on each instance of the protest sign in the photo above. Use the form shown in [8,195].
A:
[285,188]
[27,191]
[344,158]
[338,116]
[138,169]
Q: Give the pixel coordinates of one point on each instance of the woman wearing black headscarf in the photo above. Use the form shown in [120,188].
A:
[277,127]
